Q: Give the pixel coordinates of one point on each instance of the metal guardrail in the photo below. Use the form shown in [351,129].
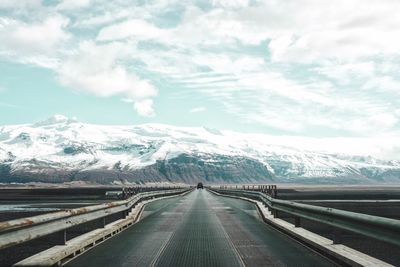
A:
[18,231]
[129,191]
[270,190]
[379,228]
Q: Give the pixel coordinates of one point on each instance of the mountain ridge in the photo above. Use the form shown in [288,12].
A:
[61,149]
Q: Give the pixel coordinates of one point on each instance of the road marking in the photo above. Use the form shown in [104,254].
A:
[235,250]
[168,240]
[161,250]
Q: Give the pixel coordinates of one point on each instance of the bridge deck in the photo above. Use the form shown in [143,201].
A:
[200,229]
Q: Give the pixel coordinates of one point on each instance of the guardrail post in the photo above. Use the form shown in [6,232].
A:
[274,192]
[123,193]
[296,221]
[131,191]
[336,236]
[124,214]
[62,237]
[275,213]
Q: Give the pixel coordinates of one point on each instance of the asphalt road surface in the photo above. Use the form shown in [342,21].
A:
[201,229]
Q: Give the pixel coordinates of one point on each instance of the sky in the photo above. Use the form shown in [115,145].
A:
[312,68]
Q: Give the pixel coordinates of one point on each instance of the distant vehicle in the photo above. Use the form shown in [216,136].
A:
[200,186]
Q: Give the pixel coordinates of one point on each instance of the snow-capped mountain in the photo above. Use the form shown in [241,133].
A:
[60,149]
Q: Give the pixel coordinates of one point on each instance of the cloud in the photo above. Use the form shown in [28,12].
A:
[324,35]
[20,38]
[144,107]
[346,72]
[230,3]
[383,120]
[97,69]
[73,4]
[138,29]
[107,17]
[299,66]
[270,98]
[197,110]
[21,4]
[327,34]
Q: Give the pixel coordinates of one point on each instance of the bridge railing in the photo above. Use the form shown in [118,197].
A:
[270,190]
[379,228]
[21,230]
[129,191]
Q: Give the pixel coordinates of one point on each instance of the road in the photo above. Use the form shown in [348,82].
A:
[200,229]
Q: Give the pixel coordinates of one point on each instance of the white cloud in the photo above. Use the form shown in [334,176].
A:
[20,4]
[224,63]
[144,107]
[266,97]
[297,65]
[197,110]
[326,34]
[230,3]
[347,72]
[383,120]
[343,29]
[238,80]
[107,17]
[97,69]
[73,4]
[139,29]
[41,37]
[217,27]
[383,83]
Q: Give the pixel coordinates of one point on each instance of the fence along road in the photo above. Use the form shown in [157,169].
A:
[200,229]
